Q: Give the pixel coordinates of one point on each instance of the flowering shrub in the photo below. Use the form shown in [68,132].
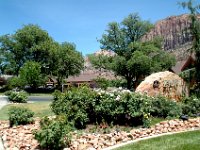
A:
[84,106]
[18,97]
[146,120]
[77,104]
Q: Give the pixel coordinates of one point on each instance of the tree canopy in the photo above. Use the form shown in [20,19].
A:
[134,58]
[119,36]
[67,61]
[31,49]
[30,43]
[30,74]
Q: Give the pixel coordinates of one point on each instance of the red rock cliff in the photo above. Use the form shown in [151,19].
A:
[174,30]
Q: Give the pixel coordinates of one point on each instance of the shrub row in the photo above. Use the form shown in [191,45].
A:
[80,106]
[83,106]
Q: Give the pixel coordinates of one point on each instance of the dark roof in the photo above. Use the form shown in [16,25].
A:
[82,78]
[190,60]
[88,76]
[178,67]
[181,65]
[52,79]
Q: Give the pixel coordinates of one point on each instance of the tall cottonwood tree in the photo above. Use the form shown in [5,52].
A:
[134,58]
[32,46]
[65,61]
[29,43]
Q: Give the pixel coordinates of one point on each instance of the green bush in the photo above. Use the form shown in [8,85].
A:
[54,133]
[122,108]
[118,83]
[20,116]
[163,107]
[15,82]
[191,105]
[102,83]
[82,106]
[75,104]
[8,93]
[18,97]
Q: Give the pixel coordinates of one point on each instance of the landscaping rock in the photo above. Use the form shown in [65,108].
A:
[165,83]
[21,137]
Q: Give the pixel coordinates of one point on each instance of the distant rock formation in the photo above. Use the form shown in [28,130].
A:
[175,31]
[164,83]
[89,69]
[105,52]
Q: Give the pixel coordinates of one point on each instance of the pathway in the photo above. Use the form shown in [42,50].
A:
[3,102]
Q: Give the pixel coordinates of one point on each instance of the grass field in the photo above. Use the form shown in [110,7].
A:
[155,120]
[39,108]
[180,141]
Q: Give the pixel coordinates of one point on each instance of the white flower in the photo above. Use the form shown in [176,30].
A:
[117,98]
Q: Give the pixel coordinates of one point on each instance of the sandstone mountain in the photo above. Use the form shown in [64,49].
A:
[175,31]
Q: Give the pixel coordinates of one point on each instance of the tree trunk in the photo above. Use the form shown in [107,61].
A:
[59,84]
[136,82]
[129,82]
[198,69]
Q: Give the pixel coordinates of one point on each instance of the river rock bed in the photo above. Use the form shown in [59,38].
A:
[21,137]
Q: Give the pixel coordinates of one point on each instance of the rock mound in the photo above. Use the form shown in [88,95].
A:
[165,84]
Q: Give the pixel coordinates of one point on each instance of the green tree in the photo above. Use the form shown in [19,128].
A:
[15,82]
[134,58]
[67,61]
[29,43]
[195,31]
[2,65]
[30,74]
[99,61]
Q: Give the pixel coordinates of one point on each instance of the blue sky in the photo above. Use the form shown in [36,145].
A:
[80,21]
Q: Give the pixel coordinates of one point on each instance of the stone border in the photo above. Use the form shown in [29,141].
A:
[21,136]
[95,141]
[146,138]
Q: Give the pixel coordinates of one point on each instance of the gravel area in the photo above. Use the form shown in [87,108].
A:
[21,137]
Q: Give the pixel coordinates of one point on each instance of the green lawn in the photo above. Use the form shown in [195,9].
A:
[155,120]
[39,108]
[180,141]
